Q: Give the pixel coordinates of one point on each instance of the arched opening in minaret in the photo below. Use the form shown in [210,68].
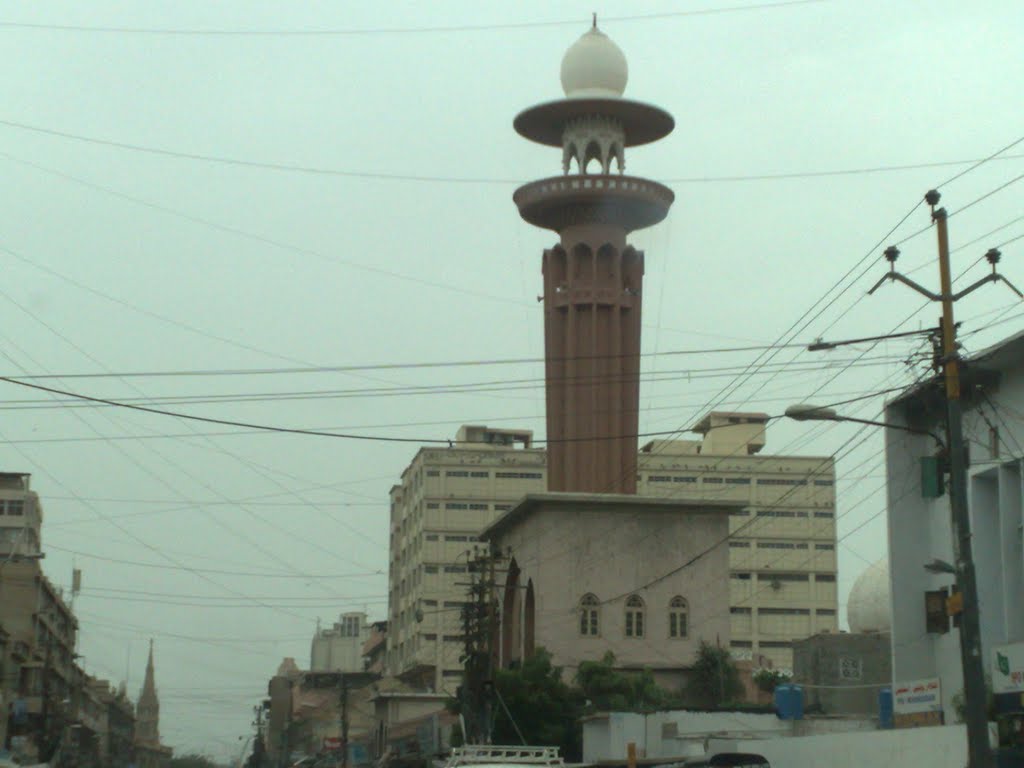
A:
[511,651]
[582,264]
[593,152]
[607,266]
[529,622]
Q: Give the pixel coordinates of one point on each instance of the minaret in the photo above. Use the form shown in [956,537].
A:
[593,279]
[147,711]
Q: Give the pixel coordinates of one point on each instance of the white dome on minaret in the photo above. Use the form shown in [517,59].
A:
[594,67]
[868,608]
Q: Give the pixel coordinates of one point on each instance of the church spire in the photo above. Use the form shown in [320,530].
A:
[147,719]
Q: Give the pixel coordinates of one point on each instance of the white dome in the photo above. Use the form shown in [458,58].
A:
[594,66]
[868,607]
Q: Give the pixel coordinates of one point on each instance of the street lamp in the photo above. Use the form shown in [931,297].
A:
[807,412]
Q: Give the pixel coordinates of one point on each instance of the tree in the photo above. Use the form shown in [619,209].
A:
[607,689]
[543,707]
[714,681]
[768,679]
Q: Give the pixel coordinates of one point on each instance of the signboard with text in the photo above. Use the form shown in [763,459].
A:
[1008,668]
[917,696]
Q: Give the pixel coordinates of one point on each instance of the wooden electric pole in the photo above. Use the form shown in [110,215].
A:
[975,695]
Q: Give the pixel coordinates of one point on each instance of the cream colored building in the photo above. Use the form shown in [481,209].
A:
[340,648]
[782,559]
[591,573]
[447,496]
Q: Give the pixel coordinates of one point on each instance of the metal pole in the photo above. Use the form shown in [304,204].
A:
[975,709]
[344,720]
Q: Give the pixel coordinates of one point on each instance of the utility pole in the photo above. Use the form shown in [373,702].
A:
[344,720]
[478,625]
[975,695]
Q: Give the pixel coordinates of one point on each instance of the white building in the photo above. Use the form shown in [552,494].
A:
[340,648]
[919,525]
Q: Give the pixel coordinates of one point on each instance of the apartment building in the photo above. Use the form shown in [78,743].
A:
[782,559]
[446,497]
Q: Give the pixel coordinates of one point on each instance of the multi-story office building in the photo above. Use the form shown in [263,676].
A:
[447,496]
[782,557]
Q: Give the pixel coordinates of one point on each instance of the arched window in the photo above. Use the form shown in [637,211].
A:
[634,616]
[590,616]
[677,615]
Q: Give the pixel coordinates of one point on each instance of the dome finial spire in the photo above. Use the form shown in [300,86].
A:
[594,14]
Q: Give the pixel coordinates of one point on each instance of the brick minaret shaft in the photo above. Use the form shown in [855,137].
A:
[593,278]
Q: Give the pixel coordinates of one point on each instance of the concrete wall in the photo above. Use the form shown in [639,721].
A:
[938,747]
[842,674]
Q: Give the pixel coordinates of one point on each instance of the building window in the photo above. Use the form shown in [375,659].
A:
[432,537]
[677,615]
[15,507]
[430,569]
[825,547]
[739,544]
[684,479]
[824,483]
[713,480]
[634,616]
[825,577]
[738,480]
[518,475]
[740,512]
[433,505]
[479,474]
[457,537]
[590,608]
[456,505]
[433,473]
[824,513]
[457,473]
[659,478]
[478,506]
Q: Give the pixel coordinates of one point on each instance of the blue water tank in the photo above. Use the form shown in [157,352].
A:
[789,702]
[885,717]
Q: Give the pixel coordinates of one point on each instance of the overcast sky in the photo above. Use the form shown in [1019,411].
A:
[116,260]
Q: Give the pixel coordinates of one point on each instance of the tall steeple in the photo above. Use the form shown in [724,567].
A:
[147,711]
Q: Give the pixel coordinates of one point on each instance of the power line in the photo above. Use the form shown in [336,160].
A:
[482,180]
[380,31]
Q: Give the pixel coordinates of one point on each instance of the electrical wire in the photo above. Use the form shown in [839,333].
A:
[404,31]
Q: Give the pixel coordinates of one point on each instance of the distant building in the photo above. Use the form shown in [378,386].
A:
[375,648]
[41,632]
[340,648]
[21,516]
[149,752]
[920,523]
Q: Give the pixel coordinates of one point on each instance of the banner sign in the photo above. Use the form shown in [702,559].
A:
[1008,668]
[917,696]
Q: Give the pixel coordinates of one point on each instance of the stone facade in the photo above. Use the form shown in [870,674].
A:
[586,575]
